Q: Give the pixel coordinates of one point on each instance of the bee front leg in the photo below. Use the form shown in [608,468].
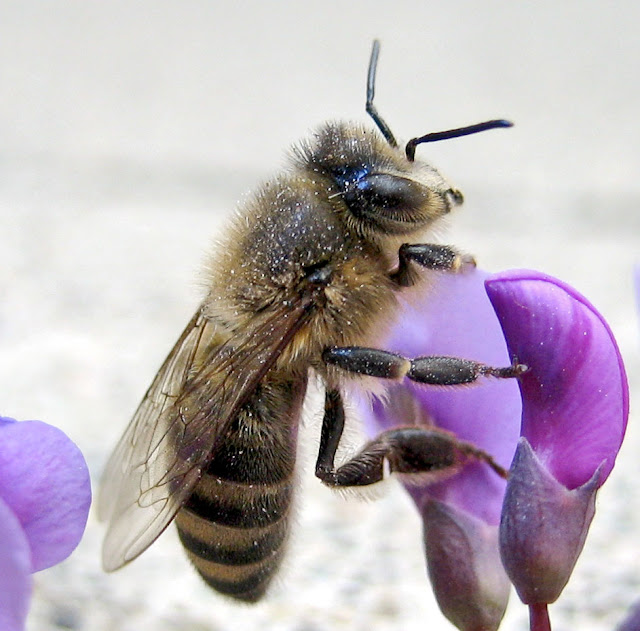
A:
[408,450]
[429,255]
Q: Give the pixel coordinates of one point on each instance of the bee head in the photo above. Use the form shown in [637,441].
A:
[379,190]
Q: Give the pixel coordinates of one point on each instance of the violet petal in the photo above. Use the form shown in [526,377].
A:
[6,420]
[464,567]
[15,571]
[543,527]
[45,481]
[455,317]
[575,393]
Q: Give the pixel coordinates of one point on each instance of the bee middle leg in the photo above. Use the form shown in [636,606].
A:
[408,450]
[430,256]
[430,369]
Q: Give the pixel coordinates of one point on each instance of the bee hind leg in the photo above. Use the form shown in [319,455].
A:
[415,450]
[430,256]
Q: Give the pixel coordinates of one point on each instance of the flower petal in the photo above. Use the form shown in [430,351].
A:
[6,420]
[15,572]
[455,318]
[575,393]
[45,481]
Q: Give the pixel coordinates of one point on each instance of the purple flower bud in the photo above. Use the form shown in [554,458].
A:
[543,528]
[45,494]
[464,567]
[575,408]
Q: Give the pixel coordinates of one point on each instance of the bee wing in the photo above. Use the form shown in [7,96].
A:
[127,498]
[189,406]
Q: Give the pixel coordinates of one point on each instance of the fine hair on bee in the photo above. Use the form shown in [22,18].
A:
[306,276]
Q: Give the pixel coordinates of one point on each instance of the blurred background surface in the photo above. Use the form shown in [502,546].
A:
[128,134]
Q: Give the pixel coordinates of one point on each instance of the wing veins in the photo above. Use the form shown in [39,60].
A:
[218,390]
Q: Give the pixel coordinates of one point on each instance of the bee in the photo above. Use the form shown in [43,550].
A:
[309,271]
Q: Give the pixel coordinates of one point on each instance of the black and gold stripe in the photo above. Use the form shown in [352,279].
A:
[234,534]
[235,524]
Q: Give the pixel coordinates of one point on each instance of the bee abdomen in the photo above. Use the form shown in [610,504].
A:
[234,533]
[234,525]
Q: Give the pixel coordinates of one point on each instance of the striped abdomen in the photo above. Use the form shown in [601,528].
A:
[235,524]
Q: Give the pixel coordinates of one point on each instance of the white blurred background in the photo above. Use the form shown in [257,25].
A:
[129,131]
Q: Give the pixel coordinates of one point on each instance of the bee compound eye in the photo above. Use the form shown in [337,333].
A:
[386,191]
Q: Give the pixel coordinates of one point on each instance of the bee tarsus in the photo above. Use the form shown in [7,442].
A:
[430,256]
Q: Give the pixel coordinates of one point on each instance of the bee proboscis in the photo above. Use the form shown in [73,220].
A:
[309,271]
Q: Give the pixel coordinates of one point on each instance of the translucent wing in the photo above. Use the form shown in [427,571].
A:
[195,396]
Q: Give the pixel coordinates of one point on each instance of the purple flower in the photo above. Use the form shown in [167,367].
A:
[45,494]
[575,408]
[632,619]
[571,410]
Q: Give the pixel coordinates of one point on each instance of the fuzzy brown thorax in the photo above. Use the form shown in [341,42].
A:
[347,203]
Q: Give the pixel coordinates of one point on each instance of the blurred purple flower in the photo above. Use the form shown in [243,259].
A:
[636,283]
[575,406]
[45,494]
[632,619]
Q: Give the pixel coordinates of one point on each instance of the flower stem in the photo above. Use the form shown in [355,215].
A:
[539,617]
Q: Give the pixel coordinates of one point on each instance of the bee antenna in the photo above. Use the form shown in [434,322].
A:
[370,107]
[410,149]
